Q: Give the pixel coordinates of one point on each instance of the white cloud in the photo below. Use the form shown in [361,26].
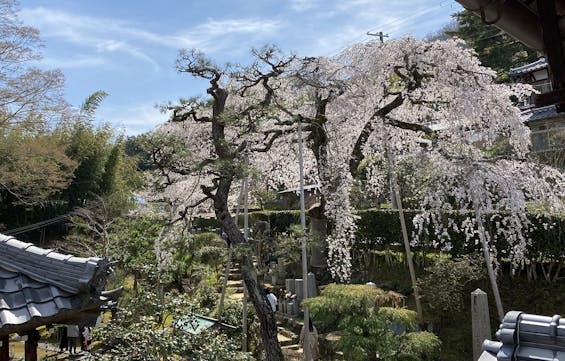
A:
[113,45]
[240,26]
[217,35]
[133,119]
[303,5]
[117,35]
[82,61]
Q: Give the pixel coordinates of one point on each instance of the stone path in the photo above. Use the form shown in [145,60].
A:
[46,350]
[289,337]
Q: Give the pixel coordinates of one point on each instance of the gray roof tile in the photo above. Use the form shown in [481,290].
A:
[39,284]
[542,113]
[528,68]
[71,273]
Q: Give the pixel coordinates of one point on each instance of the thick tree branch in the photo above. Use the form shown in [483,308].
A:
[275,134]
[368,128]
[410,126]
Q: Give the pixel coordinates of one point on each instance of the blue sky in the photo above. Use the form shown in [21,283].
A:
[128,48]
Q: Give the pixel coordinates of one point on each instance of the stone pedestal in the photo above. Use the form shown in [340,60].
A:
[295,307]
[481,321]
[292,308]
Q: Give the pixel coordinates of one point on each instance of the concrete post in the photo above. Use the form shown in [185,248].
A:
[481,321]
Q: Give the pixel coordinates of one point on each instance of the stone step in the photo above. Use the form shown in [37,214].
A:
[234,276]
[292,353]
[295,347]
[289,323]
[236,296]
[285,341]
[288,333]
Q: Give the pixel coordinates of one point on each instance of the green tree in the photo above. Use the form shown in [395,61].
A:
[33,165]
[90,147]
[370,331]
[108,183]
[136,147]
[143,331]
[494,48]
[444,285]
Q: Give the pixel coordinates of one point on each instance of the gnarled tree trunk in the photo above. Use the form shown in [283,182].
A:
[267,320]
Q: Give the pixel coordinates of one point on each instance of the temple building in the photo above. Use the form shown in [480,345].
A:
[41,287]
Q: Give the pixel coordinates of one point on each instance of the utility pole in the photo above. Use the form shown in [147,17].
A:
[380,34]
[306,342]
[246,235]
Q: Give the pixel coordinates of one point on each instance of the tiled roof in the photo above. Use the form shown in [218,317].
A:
[547,112]
[528,68]
[39,284]
[527,337]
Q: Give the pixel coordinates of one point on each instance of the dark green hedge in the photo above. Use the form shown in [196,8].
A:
[280,221]
[380,228]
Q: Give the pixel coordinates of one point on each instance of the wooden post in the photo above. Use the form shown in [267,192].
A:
[31,345]
[5,348]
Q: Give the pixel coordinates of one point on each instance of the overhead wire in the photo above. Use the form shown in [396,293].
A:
[394,34]
[34,226]
[410,21]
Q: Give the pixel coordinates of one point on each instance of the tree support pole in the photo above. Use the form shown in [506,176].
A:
[396,192]
[488,260]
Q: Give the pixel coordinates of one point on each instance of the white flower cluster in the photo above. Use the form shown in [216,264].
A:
[336,188]
[428,102]
[498,191]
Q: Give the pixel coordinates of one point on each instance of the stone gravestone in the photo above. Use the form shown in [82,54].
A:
[312,290]
[291,305]
[299,289]
[290,285]
[481,321]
